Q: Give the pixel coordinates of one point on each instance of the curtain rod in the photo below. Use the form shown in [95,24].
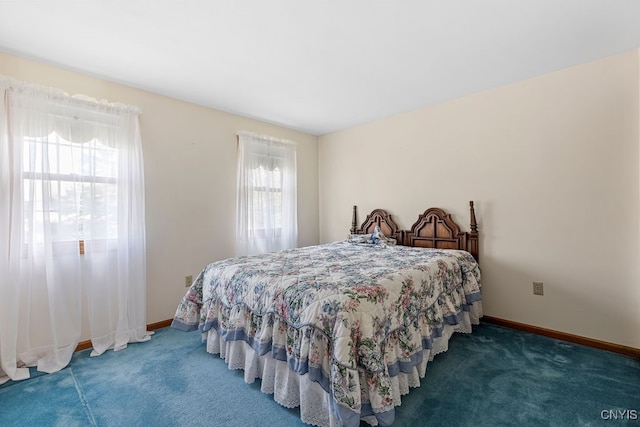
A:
[10,83]
[265,137]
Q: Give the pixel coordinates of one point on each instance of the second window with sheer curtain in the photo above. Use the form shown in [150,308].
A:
[267,218]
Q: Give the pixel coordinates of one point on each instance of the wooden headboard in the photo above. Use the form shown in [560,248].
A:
[434,229]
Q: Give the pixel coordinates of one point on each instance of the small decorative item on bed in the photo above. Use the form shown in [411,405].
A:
[344,329]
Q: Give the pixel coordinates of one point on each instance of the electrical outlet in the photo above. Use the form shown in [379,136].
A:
[188,280]
[538,288]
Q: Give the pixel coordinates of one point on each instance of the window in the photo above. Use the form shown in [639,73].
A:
[267,197]
[267,194]
[74,186]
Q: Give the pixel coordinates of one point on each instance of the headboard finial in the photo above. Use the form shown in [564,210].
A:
[472,212]
[354,220]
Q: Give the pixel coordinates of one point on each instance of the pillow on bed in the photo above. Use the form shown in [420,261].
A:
[375,238]
[362,239]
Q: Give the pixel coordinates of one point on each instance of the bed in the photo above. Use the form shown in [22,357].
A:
[342,330]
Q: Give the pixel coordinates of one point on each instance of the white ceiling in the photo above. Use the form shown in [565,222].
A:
[317,66]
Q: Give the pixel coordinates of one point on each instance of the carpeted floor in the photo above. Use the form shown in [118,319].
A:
[495,376]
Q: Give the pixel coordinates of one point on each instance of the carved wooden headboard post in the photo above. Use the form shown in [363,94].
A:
[472,241]
[354,220]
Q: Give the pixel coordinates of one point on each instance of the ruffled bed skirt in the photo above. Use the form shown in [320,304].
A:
[291,390]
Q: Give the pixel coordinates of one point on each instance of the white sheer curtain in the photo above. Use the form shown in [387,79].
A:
[72,231]
[267,218]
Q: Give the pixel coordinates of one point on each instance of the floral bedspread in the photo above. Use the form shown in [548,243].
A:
[348,314]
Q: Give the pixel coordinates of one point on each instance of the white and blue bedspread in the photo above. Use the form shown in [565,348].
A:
[351,316]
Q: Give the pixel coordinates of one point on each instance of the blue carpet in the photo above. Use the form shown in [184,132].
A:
[495,376]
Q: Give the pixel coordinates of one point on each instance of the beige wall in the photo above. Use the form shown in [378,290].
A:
[190,163]
[553,166]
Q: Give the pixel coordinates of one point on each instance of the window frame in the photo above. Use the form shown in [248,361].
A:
[57,178]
